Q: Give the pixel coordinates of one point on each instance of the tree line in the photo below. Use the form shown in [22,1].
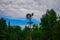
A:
[49,29]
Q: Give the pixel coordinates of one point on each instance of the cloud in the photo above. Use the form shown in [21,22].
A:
[17,9]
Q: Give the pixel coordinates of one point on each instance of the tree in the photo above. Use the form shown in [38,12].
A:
[36,34]
[35,27]
[3,29]
[57,29]
[48,21]
[3,25]
[26,32]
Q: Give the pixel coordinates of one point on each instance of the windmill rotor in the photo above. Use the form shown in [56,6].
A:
[29,16]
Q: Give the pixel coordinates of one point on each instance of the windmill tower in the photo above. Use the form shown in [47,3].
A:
[29,17]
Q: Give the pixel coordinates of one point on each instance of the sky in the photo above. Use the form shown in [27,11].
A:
[15,10]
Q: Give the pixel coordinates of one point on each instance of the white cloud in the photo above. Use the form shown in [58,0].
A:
[19,8]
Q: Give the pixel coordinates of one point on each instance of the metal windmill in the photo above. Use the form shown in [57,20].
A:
[29,17]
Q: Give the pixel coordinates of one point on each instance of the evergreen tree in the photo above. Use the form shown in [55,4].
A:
[48,21]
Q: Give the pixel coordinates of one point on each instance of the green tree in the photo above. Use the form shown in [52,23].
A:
[57,29]
[3,29]
[36,34]
[26,32]
[48,21]
[3,25]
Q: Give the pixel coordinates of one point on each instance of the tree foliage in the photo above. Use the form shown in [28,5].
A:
[48,30]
